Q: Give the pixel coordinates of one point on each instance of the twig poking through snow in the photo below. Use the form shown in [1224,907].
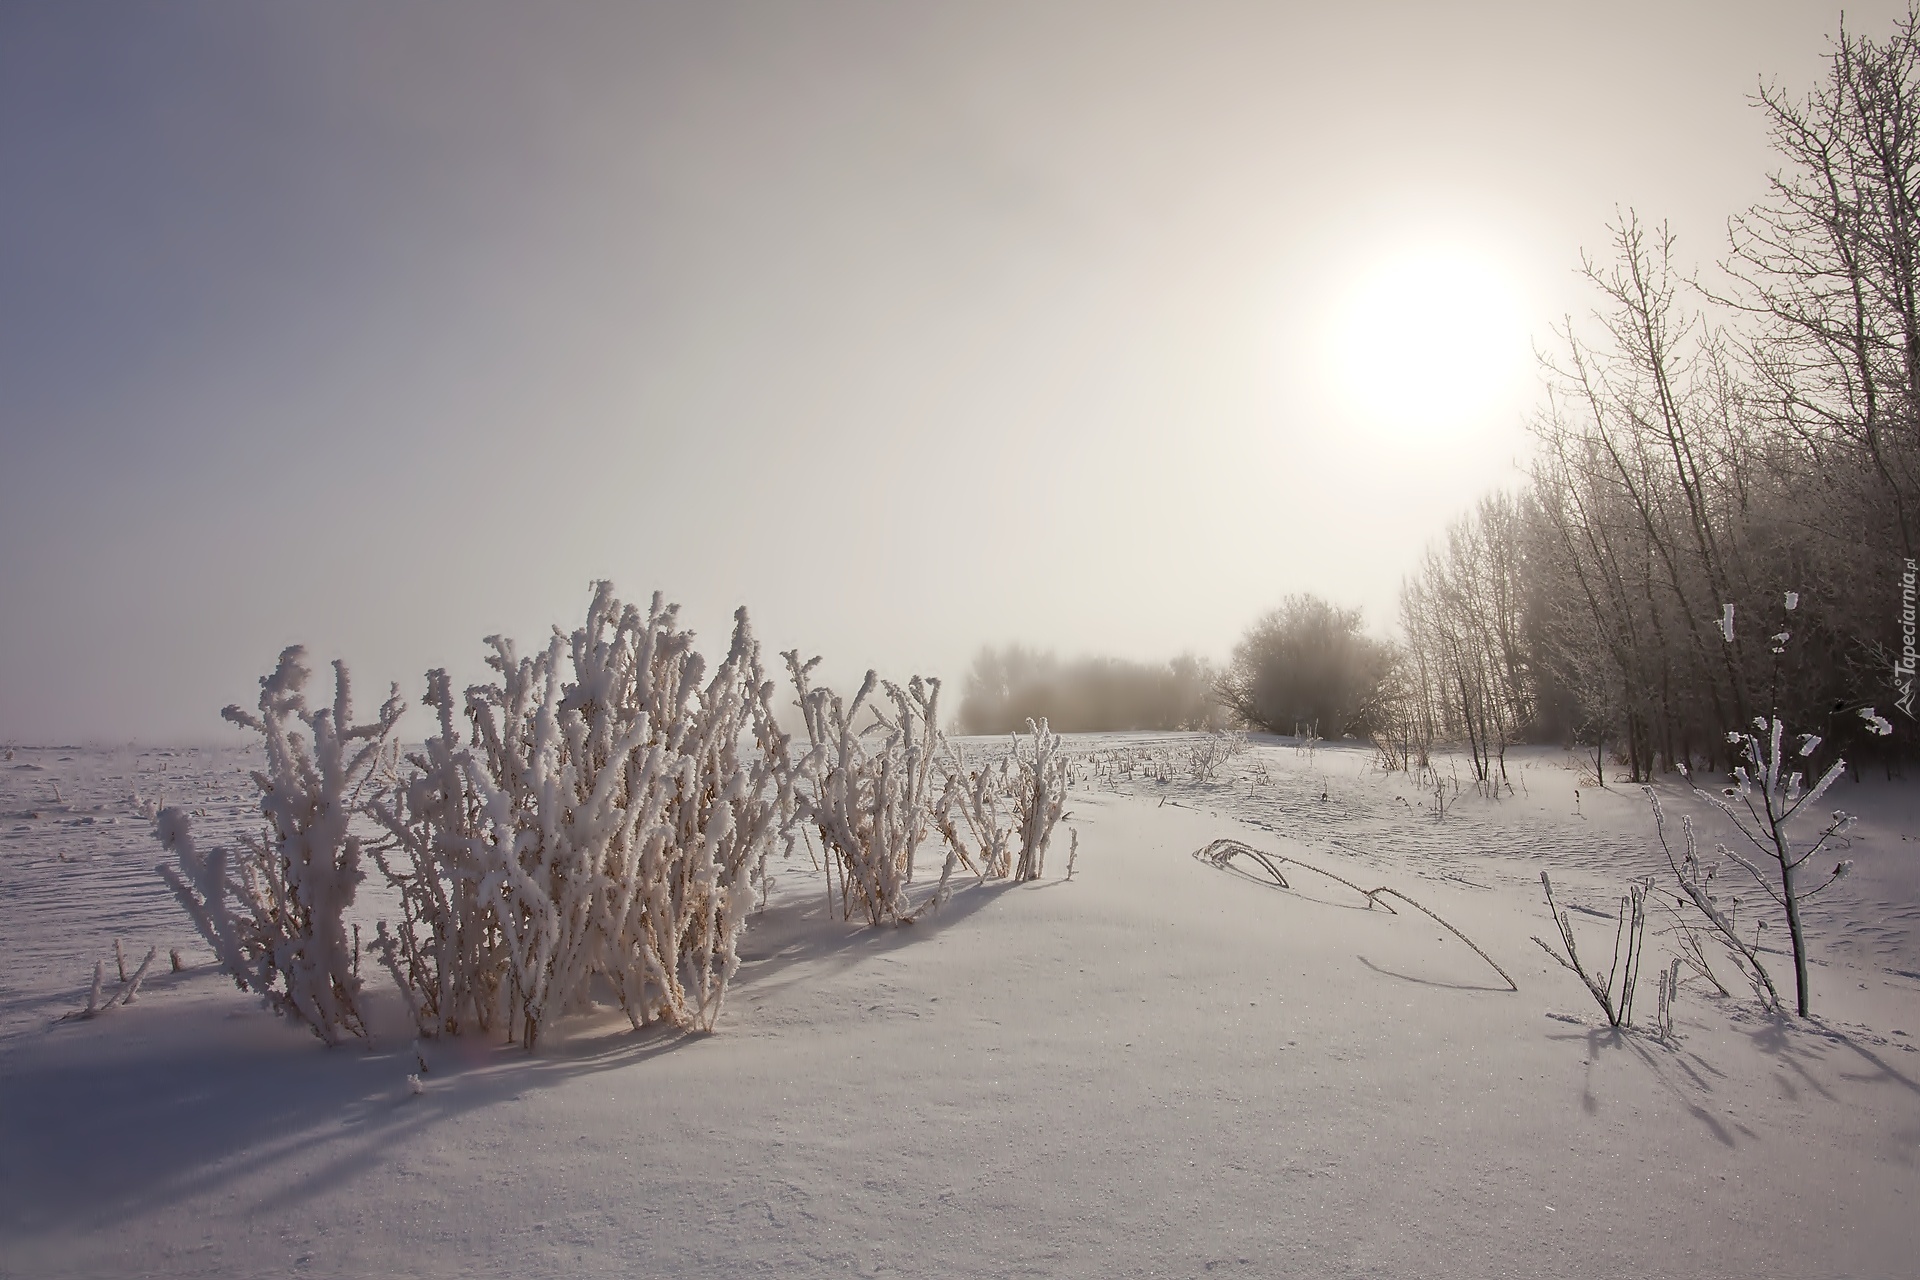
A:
[1669,991]
[129,986]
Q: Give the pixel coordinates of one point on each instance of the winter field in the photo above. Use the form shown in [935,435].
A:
[1157,1067]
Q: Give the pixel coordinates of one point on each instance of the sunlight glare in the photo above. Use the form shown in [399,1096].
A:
[1430,339]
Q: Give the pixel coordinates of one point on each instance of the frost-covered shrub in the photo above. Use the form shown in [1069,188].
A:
[685,889]
[275,915]
[1206,754]
[608,821]
[869,791]
[980,800]
[448,955]
[1021,795]
[1040,796]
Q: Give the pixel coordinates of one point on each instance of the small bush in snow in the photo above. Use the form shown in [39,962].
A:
[1041,797]
[869,791]
[275,915]
[605,822]
[1023,794]
[1205,754]
[979,799]
[448,956]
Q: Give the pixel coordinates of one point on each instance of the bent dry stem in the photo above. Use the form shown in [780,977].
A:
[1220,853]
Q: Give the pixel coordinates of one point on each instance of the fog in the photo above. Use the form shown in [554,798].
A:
[911,329]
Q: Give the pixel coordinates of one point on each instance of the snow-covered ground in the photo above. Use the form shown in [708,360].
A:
[1156,1068]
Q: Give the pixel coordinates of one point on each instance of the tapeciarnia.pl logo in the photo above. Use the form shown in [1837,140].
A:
[1909,659]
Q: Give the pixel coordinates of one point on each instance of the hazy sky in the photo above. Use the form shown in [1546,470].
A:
[381,327]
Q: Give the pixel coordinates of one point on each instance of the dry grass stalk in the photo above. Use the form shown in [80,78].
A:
[1630,928]
[1669,992]
[1220,853]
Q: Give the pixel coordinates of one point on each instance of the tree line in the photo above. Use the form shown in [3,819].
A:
[1007,686]
[1722,505]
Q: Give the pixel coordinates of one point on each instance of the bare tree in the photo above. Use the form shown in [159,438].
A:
[1461,614]
[1830,264]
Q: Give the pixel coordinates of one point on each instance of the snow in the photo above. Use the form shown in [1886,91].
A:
[1158,1068]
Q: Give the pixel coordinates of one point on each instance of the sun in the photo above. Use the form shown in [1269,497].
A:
[1430,339]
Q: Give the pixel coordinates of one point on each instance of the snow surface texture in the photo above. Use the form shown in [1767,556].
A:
[1159,1068]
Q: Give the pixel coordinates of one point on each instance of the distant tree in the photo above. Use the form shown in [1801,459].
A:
[1306,664]
[1007,687]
